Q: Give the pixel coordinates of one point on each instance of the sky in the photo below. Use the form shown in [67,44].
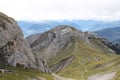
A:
[61,9]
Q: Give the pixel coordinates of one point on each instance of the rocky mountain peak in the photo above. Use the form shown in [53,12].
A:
[64,28]
[58,35]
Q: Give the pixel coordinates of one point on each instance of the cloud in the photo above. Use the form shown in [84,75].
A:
[61,9]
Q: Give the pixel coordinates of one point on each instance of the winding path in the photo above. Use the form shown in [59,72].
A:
[57,77]
[85,70]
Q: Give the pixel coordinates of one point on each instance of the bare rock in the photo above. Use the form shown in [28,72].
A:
[13,47]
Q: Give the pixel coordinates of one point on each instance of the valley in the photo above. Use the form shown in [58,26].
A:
[61,53]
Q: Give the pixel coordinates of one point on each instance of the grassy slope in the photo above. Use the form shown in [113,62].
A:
[85,63]
[62,53]
[117,77]
[22,74]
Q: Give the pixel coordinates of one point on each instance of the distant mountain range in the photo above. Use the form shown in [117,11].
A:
[32,27]
[111,34]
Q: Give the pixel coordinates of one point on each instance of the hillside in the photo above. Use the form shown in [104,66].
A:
[73,54]
[61,53]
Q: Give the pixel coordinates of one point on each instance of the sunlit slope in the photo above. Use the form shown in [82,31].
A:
[74,54]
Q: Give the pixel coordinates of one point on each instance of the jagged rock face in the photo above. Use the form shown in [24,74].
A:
[50,41]
[13,47]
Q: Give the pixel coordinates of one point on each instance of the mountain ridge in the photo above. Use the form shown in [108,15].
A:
[64,52]
[63,47]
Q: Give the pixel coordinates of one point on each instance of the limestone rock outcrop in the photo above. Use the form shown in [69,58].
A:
[14,49]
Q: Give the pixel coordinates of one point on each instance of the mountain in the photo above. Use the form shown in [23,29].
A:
[111,34]
[32,27]
[61,53]
[17,62]
[73,54]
